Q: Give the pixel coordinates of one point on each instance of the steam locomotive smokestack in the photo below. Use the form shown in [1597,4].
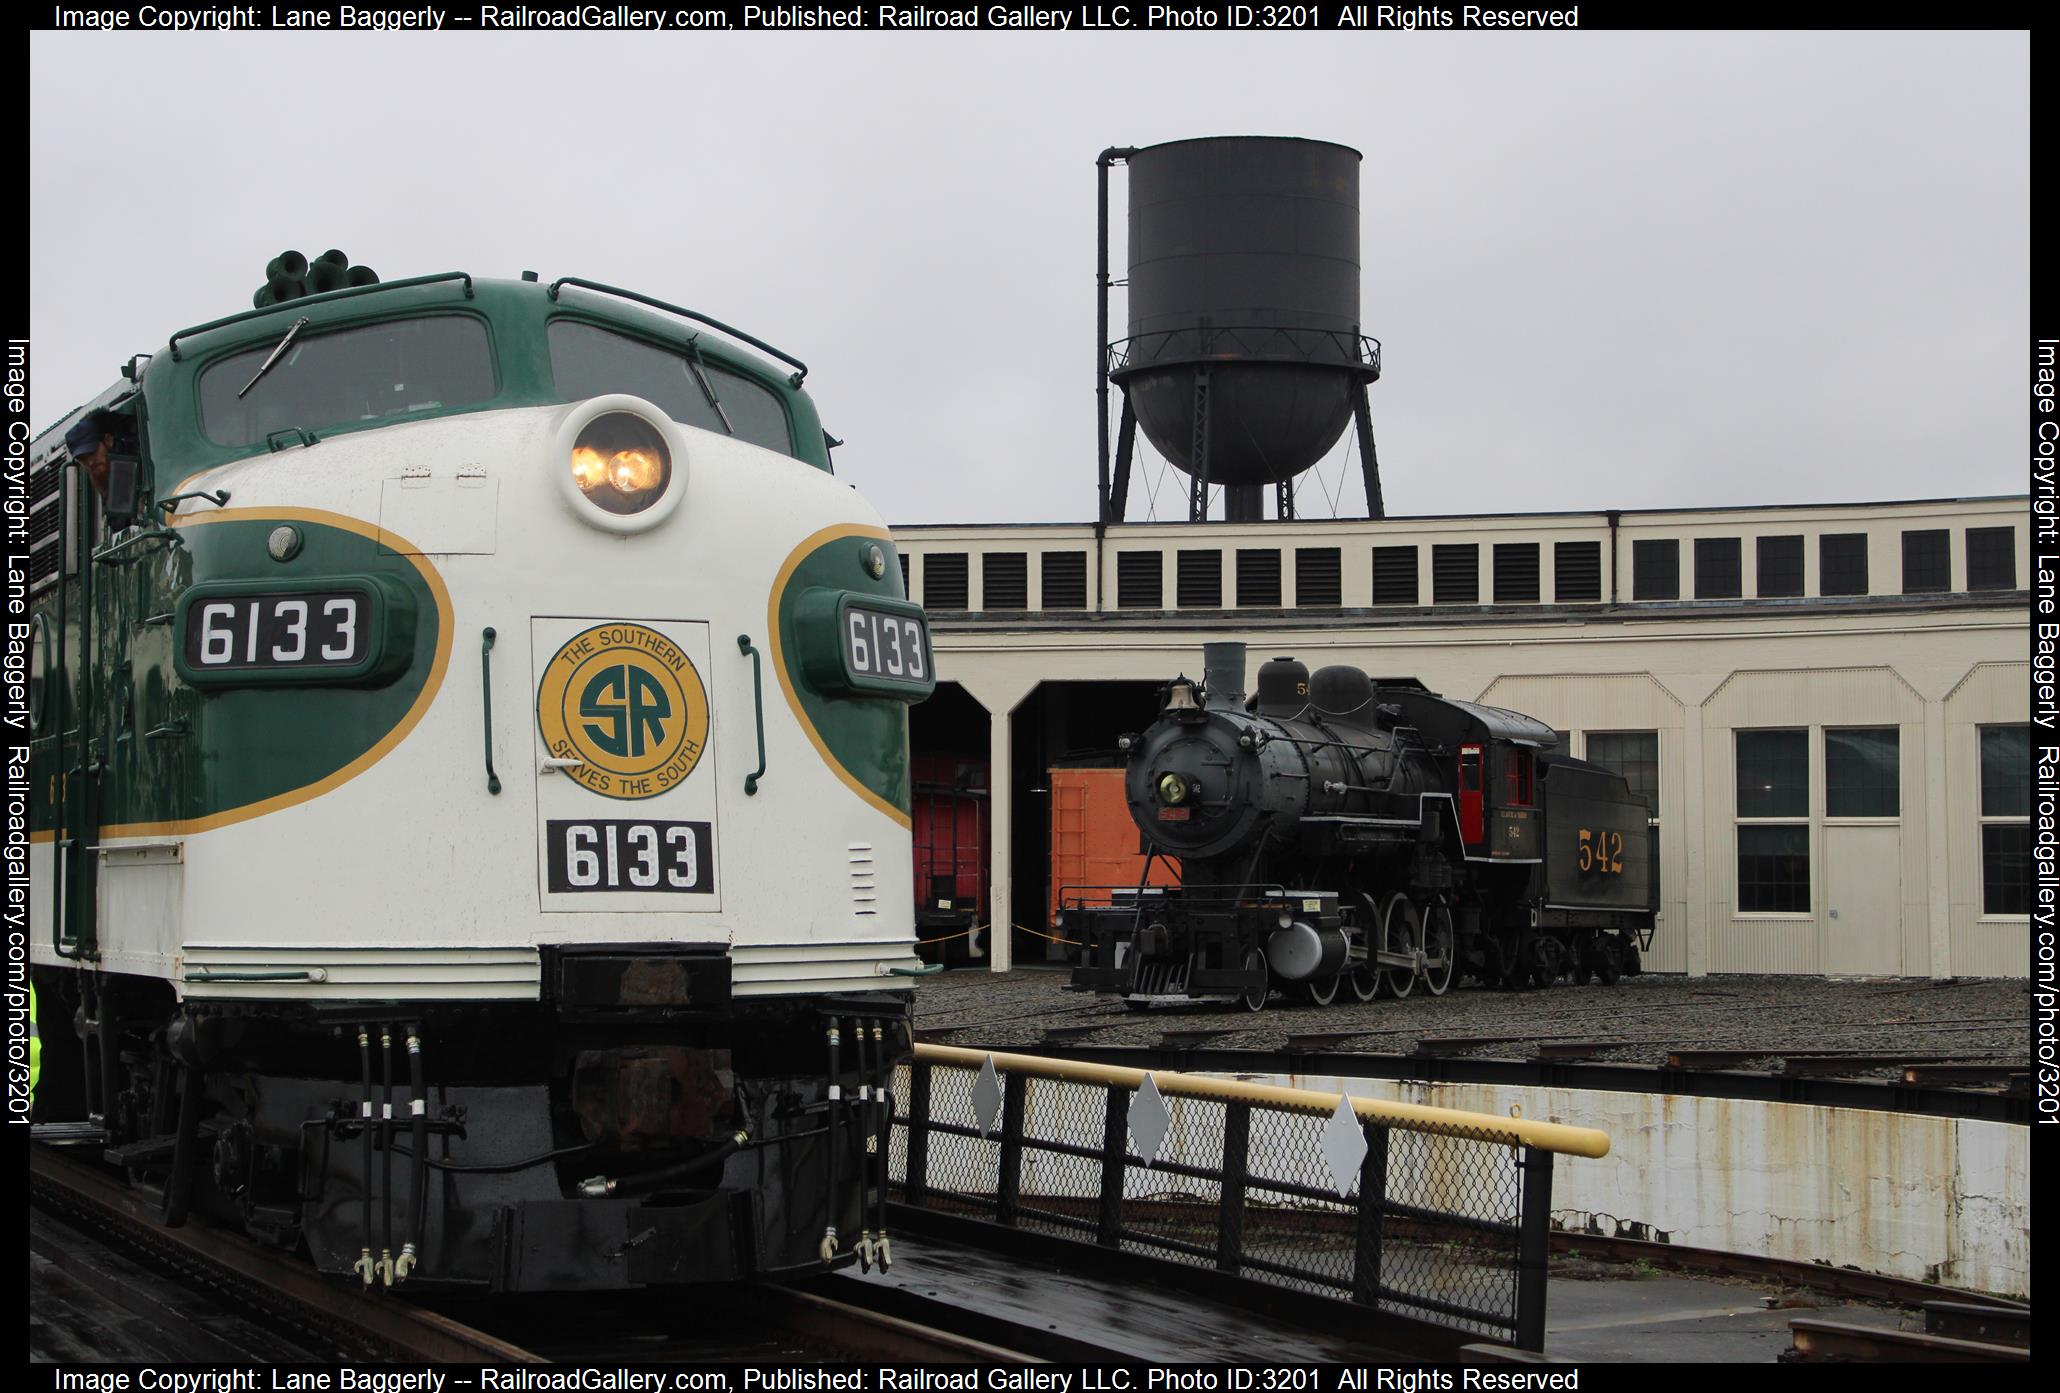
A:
[1223,673]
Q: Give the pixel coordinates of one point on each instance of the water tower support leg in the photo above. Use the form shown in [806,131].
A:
[1198,494]
[1126,444]
[1369,461]
[1284,495]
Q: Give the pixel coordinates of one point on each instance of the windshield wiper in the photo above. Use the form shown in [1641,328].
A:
[298,325]
[707,387]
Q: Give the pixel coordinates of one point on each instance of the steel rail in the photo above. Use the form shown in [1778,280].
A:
[400,1331]
[867,1334]
[1814,1340]
[1811,1276]
[1408,1117]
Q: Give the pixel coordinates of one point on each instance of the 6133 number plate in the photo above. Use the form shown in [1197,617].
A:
[629,856]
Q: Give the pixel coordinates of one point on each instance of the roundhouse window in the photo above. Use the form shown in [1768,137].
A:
[1779,563]
[1927,568]
[1863,773]
[2006,820]
[1656,569]
[1773,821]
[1717,568]
[1991,558]
[1842,563]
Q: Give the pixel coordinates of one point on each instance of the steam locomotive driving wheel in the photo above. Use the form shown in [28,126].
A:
[1401,931]
[1440,948]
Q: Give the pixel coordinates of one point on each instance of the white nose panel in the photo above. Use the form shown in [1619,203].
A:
[447,512]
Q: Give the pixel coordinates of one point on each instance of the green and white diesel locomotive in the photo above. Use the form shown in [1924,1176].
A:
[471,793]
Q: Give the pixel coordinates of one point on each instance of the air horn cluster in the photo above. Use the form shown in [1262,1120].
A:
[289,275]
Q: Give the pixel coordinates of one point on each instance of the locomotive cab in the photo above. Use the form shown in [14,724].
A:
[1491,756]
[459,792]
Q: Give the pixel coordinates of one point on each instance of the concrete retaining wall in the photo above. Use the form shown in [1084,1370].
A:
[1927,1198]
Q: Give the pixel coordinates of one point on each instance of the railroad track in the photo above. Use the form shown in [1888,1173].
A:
[202,1293]
[333,1320]
[829,1321]
[1959,1327]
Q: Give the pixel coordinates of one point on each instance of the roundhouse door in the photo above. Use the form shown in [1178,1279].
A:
[626,778]
[1471,823]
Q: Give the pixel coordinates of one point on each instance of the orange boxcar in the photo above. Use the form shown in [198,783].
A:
[1094,844]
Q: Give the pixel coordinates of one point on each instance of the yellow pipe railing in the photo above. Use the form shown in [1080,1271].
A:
[1409,1117]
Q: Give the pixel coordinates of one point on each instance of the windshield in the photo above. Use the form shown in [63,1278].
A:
[369,373]
[590,362]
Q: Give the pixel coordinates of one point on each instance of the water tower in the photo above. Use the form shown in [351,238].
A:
[1243,362]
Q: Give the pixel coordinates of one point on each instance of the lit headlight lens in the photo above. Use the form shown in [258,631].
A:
[635,471]
[620,463]
[589,469]
[1172,790]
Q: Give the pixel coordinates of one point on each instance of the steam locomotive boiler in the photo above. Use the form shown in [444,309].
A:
[1339,831]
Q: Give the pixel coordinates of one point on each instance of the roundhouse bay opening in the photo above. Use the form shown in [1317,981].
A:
[1060,729]
[950,821]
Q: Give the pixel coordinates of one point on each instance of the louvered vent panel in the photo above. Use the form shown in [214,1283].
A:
[1456,574]
[1258,577]
[1005,580]
[1318,584]
[1516,573]
[1199,580]
[1065,580]
[1394,576]
[944,580]
[1140,580]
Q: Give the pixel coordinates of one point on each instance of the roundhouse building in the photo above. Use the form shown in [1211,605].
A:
[1826,704]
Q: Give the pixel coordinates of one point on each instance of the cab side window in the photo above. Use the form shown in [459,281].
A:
[589,361]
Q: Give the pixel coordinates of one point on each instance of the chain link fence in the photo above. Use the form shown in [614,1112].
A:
[1436,1215]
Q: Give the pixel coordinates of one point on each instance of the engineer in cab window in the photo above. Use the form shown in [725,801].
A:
[89,442]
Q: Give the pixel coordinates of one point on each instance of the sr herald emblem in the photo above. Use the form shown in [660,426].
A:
[626,702]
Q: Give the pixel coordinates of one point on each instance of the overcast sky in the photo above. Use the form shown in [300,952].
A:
[1609,270]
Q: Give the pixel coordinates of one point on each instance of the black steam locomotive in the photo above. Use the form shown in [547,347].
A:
[1345,832]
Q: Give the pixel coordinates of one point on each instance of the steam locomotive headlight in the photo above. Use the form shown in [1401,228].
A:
[1172,790]
[623,470]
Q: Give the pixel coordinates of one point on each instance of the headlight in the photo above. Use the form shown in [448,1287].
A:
[621,463]
[1172,790]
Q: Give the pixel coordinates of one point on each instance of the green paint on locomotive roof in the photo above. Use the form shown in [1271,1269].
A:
[869,738]
[239,746]
[516,314]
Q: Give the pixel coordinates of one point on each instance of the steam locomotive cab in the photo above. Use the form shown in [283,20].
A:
[1338,831]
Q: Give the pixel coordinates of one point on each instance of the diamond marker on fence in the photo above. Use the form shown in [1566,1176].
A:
[987,1097]
[1149,1120]
[1344,1145]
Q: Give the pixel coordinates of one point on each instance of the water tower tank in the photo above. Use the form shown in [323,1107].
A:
[1244,260]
